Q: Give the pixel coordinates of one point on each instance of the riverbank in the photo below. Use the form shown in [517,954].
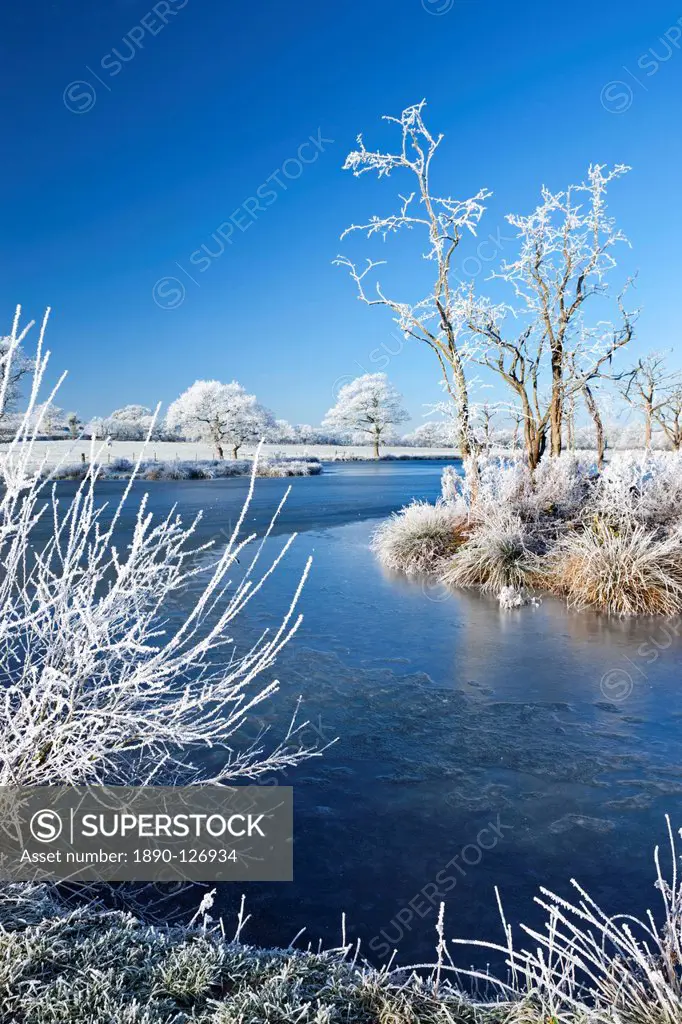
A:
[215,469]
[54,453]
[608,538]
[89,965]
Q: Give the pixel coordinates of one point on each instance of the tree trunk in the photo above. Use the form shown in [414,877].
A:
[557,399]
[376,446]
[570,424]
[536,442]
[235,449]
[462,403]
[593,410]
[555,416]
[467,446]
[647,427]
[219,449]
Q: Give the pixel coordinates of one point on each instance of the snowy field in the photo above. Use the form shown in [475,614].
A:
[61,452]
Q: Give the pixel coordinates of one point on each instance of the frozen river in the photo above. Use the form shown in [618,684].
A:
[476,747]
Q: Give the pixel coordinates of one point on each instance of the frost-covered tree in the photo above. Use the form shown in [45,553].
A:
[647,387]
[73,423]
[368,406]
[221,414]
[47,418]
[541,343]
[668,413]
[441,221]
[282,432]
[485,414]
[95,428]
[130,423]
[432,434]
[14,367]
[102,679]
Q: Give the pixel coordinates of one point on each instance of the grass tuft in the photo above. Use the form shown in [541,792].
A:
[419,537]
[497,555]
[624,571]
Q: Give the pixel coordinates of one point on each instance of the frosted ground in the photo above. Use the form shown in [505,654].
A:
[56,452]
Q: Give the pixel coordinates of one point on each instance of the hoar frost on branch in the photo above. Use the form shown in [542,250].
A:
[99,682]
[652,387]
[18,368]
[442,221]
[370,406]
[541,343]
[221,414]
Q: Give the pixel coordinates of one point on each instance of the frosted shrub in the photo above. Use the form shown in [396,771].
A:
[182,469]
[497,555]
[451,483]
[418,537]
[562,484]
[630,571]
[559,486]
[100,683]
[499,481]
[642,487]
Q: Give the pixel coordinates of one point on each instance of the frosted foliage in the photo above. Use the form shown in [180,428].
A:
[585,965]
[223,414]
[642,486]
[497,555]
[562,483]
[433,434]
[131,423]
[559,485]
[415,539]
[626,571]
[102,679]
[499,481]
[438,221]
[511,597]
[369,406]
[132,413]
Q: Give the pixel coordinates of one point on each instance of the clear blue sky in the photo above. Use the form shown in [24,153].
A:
[104,199]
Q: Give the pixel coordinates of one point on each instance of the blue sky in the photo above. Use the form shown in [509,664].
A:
[117,170]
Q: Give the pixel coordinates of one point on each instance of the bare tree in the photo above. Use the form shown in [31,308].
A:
[485,414]
[563,260]
[646,388]
[514,413]
[442,221]
[522,361]
[564,257]
[588,362]
[668,413]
